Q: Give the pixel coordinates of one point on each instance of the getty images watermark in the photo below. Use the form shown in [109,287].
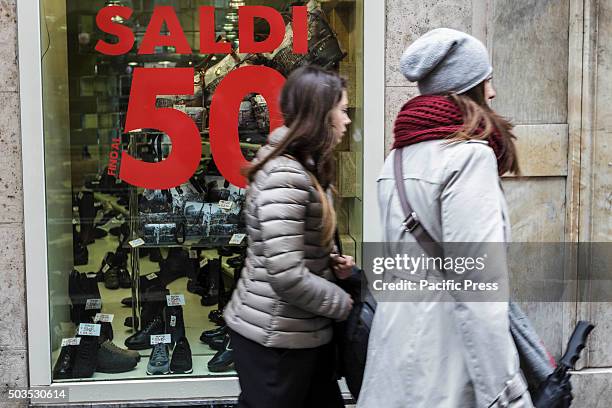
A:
[489,272]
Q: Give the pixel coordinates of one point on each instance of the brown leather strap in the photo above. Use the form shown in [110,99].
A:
[411,223]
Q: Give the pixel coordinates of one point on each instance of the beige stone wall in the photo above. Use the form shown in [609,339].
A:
[13,342]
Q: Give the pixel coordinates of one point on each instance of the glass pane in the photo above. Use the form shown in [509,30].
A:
[113,297]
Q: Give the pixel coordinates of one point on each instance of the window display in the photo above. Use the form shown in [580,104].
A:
[154,268]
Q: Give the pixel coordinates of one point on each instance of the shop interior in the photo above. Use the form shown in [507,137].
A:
[138,278]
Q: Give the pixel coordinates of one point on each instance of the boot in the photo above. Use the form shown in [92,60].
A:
[80,252]
[175,325]
[87,214]
[177,265]
[63,366]
[86,358]
[209,278]
[82,287]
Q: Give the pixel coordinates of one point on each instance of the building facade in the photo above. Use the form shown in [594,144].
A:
[551,65]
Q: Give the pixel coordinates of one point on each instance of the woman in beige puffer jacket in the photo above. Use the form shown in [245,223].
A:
[285,302]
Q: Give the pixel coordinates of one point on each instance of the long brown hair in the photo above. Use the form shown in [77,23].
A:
[478,114]
[306,102]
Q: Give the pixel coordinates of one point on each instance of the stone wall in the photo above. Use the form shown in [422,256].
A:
[13,341]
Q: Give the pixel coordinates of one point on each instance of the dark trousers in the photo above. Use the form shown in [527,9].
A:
[285,378]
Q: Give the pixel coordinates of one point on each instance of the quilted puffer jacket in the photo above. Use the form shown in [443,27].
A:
[285,297]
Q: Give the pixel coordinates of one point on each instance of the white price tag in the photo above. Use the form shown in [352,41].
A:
[104,317]
[175,300]
[88,329]
[203,262]
[225,205]
[105,268]
[193,254]
[173,321]
[160,338]
[93,304]
[237,239]
[151,276]
[80,196]
[136,242]
[72,341]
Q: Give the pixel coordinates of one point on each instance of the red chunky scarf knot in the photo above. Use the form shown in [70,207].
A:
[433,117]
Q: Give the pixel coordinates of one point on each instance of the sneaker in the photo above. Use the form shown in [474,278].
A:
[111,360]
[224,359]
[159,362]
[86,357]
[210,334]
[181,358]
[141,340]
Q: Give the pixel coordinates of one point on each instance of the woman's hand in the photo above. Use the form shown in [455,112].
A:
[342,265]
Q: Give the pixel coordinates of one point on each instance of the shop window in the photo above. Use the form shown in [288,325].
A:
[129,267]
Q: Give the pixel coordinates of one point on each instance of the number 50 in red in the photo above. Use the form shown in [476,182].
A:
[184,157]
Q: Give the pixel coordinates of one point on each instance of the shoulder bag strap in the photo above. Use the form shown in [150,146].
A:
[411,223]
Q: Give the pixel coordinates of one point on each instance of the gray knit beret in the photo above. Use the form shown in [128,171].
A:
[445,60]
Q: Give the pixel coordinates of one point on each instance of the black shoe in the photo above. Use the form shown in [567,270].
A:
[125,281]
[155,255]
[128,321]
[175,325]
[141,340]
[194,286]
[224,359]
[236,263]
[181,362]
[86,357]
[216,316]
[210,334]
[111,278]
[63,366]
[177,265]
[99,233]
[106,332]
[81,288]
[209,279]
[127,301]
[216,343]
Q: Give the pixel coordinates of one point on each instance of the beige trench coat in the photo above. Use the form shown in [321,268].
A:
[434,353]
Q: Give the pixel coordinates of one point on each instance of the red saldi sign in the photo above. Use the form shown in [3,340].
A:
[148,83]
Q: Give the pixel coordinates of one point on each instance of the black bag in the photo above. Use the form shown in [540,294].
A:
[352,335]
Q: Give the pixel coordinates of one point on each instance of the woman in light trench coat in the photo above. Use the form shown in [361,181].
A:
[447,351]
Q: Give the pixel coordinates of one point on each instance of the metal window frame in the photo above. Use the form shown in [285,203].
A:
[39,347]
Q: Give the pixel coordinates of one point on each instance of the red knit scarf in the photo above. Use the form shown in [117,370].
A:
[432,118]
